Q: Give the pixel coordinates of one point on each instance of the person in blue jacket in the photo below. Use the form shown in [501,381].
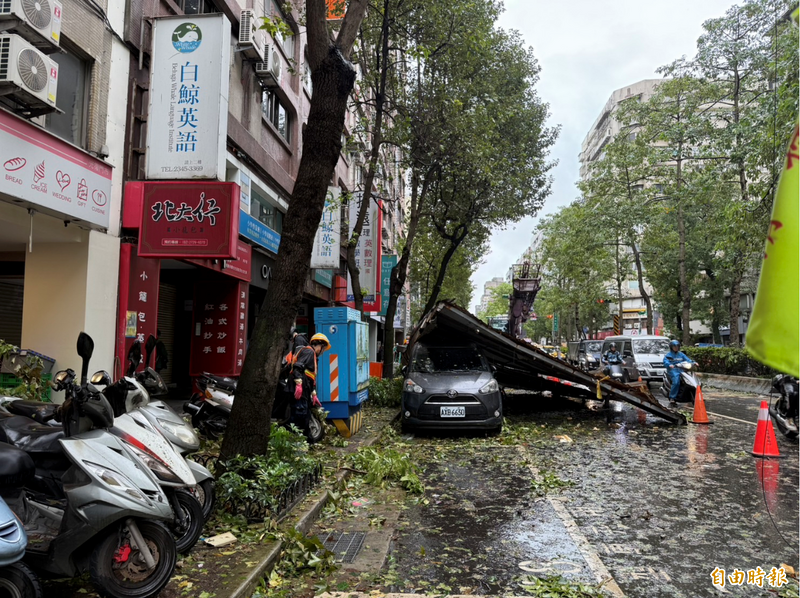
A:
[611,357]
[671,359]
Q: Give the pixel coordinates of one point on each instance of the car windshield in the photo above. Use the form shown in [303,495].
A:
[652,346]
[429,360]
[593,347]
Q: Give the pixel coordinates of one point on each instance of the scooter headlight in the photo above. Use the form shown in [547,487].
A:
[162,472]
[183,433]
[590,359]
[115,479]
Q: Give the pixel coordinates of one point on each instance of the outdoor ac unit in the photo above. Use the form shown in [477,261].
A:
[251,36]
[38,21]
[270,70]
[27,76]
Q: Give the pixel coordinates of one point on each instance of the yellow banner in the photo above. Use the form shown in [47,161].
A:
[774,333]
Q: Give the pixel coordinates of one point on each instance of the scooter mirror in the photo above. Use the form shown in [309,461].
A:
[148,349]
[101,378]
[85,350]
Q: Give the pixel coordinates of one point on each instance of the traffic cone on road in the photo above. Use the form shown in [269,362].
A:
[700,416]
[766,445]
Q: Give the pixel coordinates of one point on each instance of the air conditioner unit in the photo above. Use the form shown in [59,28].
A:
[27,76]
[38,21]
[251,36]
[270,71]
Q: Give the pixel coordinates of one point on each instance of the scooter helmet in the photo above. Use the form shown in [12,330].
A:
[676,344]
[613,346]
[320,339]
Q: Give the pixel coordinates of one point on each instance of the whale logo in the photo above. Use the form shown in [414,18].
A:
[187,37]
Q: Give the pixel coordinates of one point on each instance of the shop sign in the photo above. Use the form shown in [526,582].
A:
[388,262]
[138,300]
[238,268]
[219,343]
[328,239]
[368,253]
[324,277]
[187,122]
[261,270]
[257,231]
[189,220]
[400,312]
[49,173]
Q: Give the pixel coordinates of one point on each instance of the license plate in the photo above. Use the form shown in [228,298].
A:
[452,411]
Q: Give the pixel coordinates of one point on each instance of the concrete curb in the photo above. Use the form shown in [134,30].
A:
[303,524]
[759,386]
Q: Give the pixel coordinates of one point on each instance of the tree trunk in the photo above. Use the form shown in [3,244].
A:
[455,242]
[736,294]
[375,152]
[619,288]
[686,296]
[249,424]
[400,271]
[637,256]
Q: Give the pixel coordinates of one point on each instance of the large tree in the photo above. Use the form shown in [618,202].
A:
[332,76]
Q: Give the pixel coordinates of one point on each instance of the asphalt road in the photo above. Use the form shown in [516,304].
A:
[654,506]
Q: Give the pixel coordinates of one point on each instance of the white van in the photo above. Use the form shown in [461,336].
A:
[648,353]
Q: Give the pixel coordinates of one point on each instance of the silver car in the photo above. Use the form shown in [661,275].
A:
[450,387]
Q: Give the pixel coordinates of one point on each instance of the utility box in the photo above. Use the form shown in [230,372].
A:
[343,370]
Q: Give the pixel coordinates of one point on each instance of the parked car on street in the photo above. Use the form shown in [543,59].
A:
[629,371]
[450,387]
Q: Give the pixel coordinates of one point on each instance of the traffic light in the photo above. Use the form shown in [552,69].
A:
[549,316]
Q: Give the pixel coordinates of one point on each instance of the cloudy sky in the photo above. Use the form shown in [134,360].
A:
[587,49]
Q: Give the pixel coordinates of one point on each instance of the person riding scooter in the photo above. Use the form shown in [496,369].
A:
[671,360]
[304,374]
[611,357]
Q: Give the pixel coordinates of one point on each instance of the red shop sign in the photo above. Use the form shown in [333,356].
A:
[219,343]
[189,220]
[238,268]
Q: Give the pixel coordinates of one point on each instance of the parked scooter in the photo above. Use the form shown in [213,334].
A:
[211,408]
[102,520]
[16,578]
[784,410]
[688,385]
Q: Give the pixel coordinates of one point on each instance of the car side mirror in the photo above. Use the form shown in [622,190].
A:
[404,369]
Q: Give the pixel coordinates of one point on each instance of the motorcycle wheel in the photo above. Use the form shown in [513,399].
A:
[186,538]
[205,493]
[213,427]
[316,430]
[129,578]
[18,581]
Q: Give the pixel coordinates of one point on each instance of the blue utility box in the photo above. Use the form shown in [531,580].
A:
[343,378]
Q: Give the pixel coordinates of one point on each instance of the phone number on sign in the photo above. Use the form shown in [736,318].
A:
[181,168]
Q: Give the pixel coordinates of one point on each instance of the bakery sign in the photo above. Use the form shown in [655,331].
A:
[52,175]
[189,220]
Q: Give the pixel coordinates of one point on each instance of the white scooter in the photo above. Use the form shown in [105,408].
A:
[688,385]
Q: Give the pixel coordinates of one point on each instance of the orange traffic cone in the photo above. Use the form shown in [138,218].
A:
[765,445]
[700,416]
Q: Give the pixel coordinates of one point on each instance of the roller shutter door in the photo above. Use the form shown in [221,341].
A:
[11,293]
[167,306]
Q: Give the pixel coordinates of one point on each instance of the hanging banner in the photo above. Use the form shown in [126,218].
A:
[368,254]
[388,262]
[187,123]
[328,239]
[189,220]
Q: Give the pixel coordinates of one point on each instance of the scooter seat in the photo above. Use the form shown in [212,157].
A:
[221,382]
[31,437]
[16,466]
[35,410]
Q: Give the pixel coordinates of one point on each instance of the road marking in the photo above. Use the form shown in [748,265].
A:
[736,419]
[598,569]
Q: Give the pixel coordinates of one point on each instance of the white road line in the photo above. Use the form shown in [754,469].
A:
[601,574]
[736,419]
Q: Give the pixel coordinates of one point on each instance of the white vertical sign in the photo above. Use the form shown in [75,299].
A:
[366,249]
[329,233]
[187,124]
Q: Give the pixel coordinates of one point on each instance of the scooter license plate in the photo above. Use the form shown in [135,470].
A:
[453,411]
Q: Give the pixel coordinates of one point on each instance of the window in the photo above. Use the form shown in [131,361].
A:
[633,284]
[263,211]
[632,136]
[276,113]
[636,188]
[197,7]
[74,76]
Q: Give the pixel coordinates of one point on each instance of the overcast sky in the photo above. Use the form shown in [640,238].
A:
[586,50]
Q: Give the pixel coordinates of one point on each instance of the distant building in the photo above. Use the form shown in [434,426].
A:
[487,292]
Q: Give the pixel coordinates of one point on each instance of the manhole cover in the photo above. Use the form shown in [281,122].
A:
[345,545]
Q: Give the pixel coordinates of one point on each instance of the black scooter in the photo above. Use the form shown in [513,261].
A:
[784,410]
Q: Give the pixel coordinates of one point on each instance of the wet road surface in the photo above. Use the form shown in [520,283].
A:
[659,506]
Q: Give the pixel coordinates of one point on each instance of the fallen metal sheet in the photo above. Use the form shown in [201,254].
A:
[521,365]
